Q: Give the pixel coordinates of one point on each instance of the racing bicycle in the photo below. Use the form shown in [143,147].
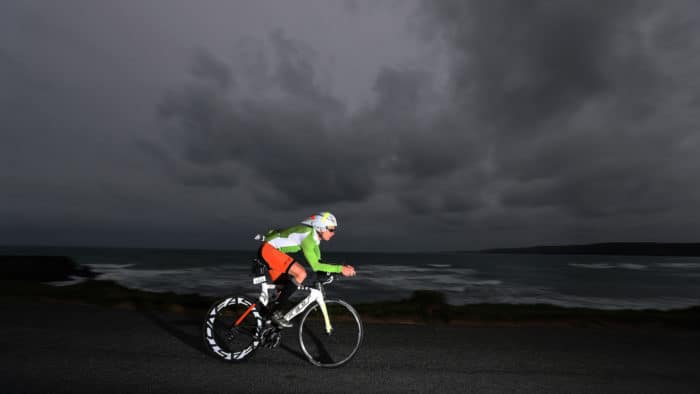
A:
[330,330]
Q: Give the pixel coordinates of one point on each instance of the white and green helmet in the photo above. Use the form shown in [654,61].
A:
[321,221]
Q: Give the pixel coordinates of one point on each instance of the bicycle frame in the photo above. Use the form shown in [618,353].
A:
[315,295]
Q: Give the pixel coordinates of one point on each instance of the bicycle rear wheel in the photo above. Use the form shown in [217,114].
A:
[338,347]
[232,328]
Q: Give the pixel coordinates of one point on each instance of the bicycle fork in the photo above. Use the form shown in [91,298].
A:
[324,310]
[315,295]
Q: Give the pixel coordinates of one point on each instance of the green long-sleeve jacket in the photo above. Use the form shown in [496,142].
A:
[304,238]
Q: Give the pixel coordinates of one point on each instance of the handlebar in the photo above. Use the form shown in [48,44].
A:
[324,277]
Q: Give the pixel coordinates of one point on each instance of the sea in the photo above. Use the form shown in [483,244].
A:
[590,281]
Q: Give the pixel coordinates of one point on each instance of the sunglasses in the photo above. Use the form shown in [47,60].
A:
[330,230]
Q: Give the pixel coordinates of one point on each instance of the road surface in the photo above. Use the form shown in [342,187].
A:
[72,348]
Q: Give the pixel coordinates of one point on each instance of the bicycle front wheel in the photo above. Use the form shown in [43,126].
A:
[232,328]
[337,347]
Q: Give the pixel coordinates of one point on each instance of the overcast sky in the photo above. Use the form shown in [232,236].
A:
[423,125]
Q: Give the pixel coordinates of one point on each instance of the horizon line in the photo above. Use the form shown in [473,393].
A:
[480,250]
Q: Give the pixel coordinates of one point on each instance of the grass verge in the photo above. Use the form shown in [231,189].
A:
[423,307]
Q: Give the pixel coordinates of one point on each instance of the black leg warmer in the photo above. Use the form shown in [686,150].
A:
[290,287]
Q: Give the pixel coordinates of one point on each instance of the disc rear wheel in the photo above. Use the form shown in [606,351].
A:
[232,328]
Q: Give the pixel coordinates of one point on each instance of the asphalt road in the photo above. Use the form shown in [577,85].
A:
[71,348]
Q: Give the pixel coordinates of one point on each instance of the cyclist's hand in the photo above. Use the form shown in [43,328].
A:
[348,270]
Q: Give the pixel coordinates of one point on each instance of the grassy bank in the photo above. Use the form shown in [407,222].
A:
[431,307]
[423,307]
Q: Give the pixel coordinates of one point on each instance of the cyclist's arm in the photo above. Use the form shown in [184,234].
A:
[313,256]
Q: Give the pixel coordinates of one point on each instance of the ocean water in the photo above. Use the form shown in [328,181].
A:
[603,282]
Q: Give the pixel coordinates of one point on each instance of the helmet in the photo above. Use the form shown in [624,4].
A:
[321,221]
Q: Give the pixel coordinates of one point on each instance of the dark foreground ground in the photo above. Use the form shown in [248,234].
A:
[68,347]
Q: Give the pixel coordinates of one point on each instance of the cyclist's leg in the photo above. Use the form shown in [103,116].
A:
[290,287]
[297,274]
[281,263]
[278,263]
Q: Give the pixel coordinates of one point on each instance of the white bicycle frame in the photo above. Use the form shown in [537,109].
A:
[315,295]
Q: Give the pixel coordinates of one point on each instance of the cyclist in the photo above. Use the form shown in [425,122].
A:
[305,237]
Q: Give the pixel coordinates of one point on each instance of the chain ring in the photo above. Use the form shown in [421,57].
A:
[270,337]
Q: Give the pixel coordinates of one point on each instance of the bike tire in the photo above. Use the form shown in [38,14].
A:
[227,341]
[336,349]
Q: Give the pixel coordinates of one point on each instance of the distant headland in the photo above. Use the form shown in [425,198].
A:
[609,248]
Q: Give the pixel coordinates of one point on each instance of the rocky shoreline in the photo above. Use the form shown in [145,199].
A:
[41,268]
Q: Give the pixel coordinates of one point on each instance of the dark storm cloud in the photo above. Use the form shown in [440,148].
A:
[301,143]
[423,146]
[521,63]
[295,139]
[574,103]
[513,123]
[206,66]
[550,105]
[295,71]
[399,91]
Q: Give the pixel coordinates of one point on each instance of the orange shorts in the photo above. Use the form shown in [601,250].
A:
[279,262]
